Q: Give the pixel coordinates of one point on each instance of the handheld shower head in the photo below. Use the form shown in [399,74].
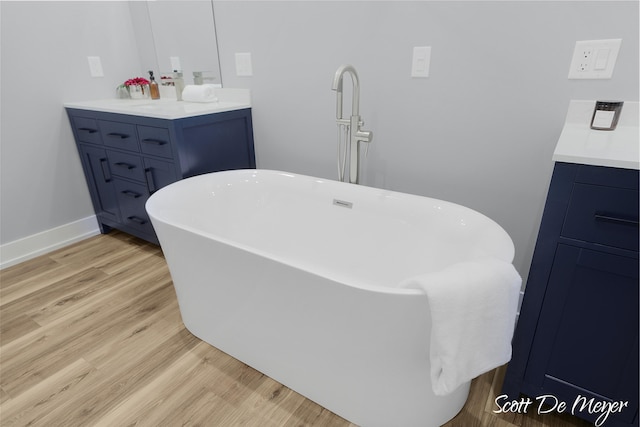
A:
[337,82]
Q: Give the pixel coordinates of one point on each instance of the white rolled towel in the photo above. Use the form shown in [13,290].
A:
[199,93]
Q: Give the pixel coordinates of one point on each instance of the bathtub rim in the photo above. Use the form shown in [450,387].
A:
[337,278]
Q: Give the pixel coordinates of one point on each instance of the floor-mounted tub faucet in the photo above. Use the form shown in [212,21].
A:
[353,124]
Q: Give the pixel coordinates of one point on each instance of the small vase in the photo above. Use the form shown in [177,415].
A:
[138,92]
[122,92]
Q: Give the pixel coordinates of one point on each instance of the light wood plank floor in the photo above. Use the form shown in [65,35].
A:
[91,335]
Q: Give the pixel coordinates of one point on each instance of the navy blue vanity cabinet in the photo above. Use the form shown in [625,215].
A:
[126,158]
[577,334]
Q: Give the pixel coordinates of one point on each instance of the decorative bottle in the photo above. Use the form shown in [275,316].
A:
[153,87]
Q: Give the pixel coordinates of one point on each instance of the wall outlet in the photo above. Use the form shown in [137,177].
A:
[585,58]
[594,59]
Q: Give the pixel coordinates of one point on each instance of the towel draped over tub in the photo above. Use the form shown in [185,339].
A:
[473,308]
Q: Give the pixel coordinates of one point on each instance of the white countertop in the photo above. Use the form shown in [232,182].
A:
[578,143]
[228,100]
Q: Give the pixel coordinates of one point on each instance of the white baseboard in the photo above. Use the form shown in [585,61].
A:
[29,247]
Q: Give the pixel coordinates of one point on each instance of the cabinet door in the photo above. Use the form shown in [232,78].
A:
[98,174]
[587,337]
[223,144]
[159,174]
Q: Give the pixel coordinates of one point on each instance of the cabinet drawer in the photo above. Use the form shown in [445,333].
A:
[87,130]
[119,135]
[155,141]
[126,165]
[132,197]
[603,215]
[610,177]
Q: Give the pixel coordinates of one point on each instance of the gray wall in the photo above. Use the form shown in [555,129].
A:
[480,131]
[44,49]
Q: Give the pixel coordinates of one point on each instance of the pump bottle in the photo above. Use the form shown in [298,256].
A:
[153,87]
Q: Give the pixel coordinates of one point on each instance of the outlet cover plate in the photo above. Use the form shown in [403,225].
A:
[244,66]
[175,63]
[594,59]
[420,61]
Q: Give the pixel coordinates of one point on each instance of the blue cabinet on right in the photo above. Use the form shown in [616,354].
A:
[577,334]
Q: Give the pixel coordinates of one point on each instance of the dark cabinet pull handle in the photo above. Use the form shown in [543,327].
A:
[131,194]
[137,220]
[125,165]
[151,185]
[89,130]
[615,219]
[105,170]
[118,135]
[154,141]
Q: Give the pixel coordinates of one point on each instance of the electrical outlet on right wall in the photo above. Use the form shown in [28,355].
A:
[594,59]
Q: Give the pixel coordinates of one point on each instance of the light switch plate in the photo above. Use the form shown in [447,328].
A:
[420,62]
[594,59]
[244,67]
[95,66]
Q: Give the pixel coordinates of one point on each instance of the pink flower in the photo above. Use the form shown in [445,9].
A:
[136,81]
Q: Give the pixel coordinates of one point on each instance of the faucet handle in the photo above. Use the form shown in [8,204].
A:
[364,135]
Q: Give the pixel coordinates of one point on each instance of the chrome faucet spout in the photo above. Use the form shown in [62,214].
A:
[337,86]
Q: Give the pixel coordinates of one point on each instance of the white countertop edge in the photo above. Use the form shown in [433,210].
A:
[228,100]
[189,111]
[613,163]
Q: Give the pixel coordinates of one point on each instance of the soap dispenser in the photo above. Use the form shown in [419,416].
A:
[154,89]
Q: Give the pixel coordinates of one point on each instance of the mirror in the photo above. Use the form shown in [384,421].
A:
[177,35]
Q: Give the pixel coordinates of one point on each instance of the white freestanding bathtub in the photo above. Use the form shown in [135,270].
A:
[296,276]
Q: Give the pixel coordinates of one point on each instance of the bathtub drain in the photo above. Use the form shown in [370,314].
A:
[342,203]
